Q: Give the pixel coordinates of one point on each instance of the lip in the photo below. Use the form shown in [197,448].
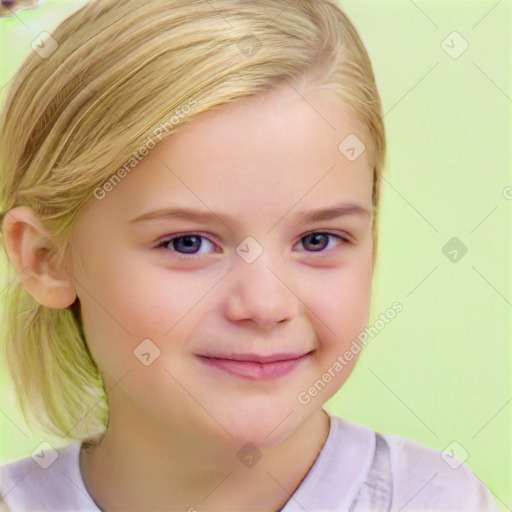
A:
[255,366]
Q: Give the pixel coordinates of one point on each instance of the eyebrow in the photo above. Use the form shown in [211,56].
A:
[318,214]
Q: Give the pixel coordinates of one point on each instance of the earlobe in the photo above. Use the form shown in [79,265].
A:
[30,248]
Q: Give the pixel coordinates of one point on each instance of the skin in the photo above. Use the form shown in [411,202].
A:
[177,424]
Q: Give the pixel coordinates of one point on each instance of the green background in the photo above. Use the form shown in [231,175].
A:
[441,370]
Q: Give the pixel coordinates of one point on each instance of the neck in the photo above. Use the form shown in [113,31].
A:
[138,465]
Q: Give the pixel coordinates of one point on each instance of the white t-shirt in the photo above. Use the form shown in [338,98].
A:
[420,478]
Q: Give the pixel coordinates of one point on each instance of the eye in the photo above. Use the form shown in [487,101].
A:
[186,245]
[319,241]
[190,245]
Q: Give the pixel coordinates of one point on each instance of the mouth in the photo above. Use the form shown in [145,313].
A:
[254,366]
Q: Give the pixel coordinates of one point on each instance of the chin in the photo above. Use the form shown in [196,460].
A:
[264,425]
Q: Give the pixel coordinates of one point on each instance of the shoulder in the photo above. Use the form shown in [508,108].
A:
[50,480]
[360,469]
[428,479]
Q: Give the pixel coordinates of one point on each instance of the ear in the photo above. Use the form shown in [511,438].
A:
[30,248]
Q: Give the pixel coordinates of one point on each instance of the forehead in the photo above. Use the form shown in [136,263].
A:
[274,125]
[263,154]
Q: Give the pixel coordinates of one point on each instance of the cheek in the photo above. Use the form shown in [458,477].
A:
[341,301]
[122,292]
[118,310]
[127,302]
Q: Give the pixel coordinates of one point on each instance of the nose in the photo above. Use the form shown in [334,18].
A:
[260,294]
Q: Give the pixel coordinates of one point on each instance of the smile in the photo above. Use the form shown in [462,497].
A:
[254,367]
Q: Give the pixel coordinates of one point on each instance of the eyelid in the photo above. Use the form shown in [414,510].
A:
[166,239]
[342,234]
[343,240]
[178,234]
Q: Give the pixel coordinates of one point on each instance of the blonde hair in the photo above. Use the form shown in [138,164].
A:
[121,71]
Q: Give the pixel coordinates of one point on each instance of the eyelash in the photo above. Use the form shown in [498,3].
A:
[163,244]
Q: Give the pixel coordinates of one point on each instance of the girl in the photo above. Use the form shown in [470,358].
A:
[191,191]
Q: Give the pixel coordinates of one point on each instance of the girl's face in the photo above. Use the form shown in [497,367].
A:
[223,245]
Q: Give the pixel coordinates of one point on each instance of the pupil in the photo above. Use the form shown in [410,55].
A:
[188,242]
[318,238]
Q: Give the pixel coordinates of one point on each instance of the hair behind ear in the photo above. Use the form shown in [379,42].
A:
[47,351]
